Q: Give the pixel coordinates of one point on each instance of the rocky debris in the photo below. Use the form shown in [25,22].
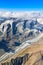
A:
[18,60]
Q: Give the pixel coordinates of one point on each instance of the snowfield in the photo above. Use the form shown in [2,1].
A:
[20,27]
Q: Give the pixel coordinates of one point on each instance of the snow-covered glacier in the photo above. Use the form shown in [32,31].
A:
[18,27]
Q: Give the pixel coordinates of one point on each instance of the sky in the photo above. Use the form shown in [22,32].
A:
[21,4]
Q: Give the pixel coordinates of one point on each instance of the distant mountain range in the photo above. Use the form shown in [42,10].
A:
[18,26]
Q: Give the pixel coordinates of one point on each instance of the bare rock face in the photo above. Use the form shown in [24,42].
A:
[33,55]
